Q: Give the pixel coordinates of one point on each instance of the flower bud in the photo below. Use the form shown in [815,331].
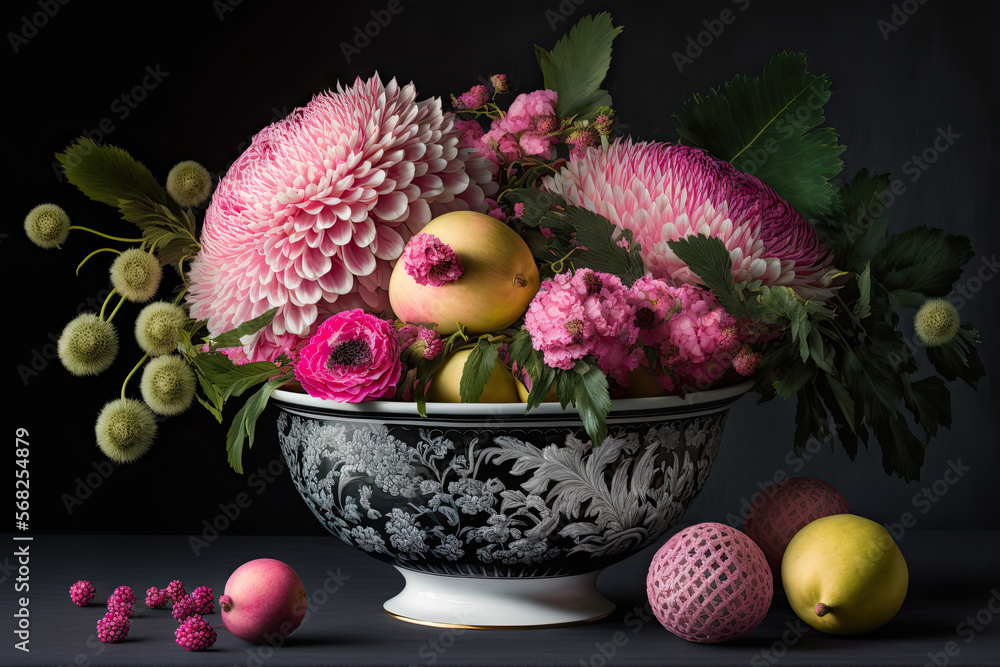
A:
[47,226]
[136,274]
[88,345]
[189,183]
[125,429]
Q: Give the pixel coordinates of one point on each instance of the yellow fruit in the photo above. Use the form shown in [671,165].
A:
[498,280]
[642,384]
[445,385]
[522,392]
[843,574]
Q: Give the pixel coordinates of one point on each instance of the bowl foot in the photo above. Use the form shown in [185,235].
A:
[467,602]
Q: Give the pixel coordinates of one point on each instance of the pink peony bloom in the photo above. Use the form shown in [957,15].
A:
[313,215]
[353,357]
[429,261]
[663,192]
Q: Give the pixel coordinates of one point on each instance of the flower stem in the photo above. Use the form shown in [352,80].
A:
[112,315]
[113,238]
[80,265]
[132,372]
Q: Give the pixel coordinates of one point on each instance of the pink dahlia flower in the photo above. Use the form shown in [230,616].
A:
[663,192]
[353,357]
[430,261]
[313,215]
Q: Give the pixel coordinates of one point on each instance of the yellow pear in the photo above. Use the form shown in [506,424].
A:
[843,574]
[444,387]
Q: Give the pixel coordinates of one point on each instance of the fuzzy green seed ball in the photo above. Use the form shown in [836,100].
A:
[136,274]
[47,226]
[189,183]
[158,327]
[936,322]
[125,430]
[88,345]
[167,385]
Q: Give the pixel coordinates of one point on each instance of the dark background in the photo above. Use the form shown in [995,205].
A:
[230,70]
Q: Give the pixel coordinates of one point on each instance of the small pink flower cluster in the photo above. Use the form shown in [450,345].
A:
[421,337]
[530,127]
[592,313]
[429,261]
[476,97]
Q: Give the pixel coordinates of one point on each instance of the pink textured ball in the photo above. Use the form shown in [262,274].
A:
[709,583]
[784,508]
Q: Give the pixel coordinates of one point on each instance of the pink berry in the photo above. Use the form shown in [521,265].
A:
[185,607]
[746,361]
[195,634]
[205,600]
[123,608]
[175,590]
[82,592]
[113,627]
[122,594]
[155,598]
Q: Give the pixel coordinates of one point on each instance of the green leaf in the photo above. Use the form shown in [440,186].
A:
[958,358]
[921,262]
[708,258]
[930,402]
[844,401]
[477,370]
[794,378]
[863,306]
[232,337]
[244,423]
[586,387]
[856,230]
[577,65]
[873,380]
[536,203]
[108,174]
[540,385]
[599,238]
[769,127]
[902,452]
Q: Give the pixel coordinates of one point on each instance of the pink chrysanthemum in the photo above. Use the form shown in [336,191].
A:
[663,192]
[311,217]
[430,261]
[353,357]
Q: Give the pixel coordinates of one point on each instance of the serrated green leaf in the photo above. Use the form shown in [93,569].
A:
[959,358]
[844,401]
[708,258]
[232,337]
[902,452]
[769,127]
[577,65]
[108,174]
[477,370]
[794,378]
[930,402]
[244,423]
[872,380]
[923,261]
[863,306]
[856,230]
[599,238]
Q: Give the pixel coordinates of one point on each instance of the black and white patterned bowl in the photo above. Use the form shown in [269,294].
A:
[485,498]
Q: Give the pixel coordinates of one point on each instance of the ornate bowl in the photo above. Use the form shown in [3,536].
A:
[497,518]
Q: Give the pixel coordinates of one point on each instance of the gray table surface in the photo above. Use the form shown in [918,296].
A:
[951,615]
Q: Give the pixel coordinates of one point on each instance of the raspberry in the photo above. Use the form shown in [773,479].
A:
[195,634]
[205,600]
[113,627]
[184,607]
[175,590]
[746,361]
[155,598]
[82,592]
[122,594]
